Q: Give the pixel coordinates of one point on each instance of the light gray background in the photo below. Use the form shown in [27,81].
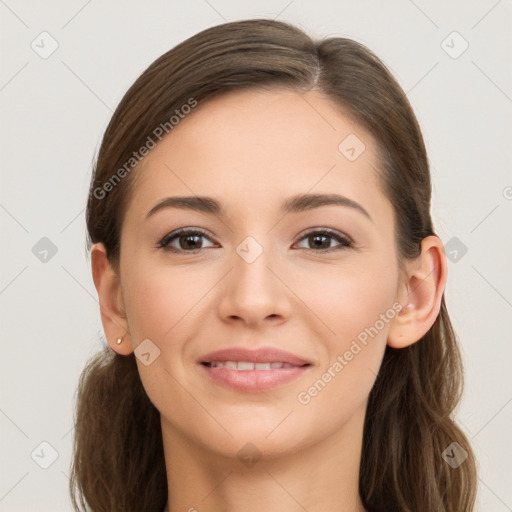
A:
[54,112]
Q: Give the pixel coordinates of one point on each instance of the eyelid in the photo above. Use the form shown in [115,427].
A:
[180,231]
[344,241]
[329,231]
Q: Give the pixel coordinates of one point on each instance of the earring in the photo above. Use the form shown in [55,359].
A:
[119,340]
[405,309]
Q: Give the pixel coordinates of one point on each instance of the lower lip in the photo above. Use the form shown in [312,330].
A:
[254,381]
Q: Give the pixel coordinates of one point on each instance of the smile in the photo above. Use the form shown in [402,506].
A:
[252,371]
[247,365]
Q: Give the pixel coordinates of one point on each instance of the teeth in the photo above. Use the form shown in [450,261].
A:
[246,365]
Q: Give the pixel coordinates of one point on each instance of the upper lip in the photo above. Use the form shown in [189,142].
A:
[260,355]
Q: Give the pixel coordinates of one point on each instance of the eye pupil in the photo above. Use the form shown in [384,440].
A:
[188,238]
[190,241]
[314,237]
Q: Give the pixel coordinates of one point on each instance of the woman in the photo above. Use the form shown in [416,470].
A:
[271,290]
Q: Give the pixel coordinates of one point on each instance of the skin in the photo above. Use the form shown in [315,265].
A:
[251,150]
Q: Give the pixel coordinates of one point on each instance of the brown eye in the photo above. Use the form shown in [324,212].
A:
[320,241]
[187,240]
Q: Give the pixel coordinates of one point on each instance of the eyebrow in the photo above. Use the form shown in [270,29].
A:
[294,204]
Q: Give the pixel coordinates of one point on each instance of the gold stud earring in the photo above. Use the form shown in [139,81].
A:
[119,340]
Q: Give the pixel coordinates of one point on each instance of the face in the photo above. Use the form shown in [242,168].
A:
[313,287]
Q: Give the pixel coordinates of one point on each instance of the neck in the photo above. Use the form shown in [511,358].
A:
[322,477]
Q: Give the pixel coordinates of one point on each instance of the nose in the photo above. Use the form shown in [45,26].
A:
[253,292]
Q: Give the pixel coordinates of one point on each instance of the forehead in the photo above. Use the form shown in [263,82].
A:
[266,124]
[260,145]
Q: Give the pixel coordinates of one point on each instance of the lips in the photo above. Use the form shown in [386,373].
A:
[248,365]
[262,355]
[254,371]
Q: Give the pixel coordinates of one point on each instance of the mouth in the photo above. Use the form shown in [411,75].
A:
[248,365]
[253,371]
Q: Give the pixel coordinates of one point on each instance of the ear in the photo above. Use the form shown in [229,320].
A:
[420,294]
[108,286]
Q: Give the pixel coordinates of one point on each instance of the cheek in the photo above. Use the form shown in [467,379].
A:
[349,298]
[160,307]
[356,307]
[160,301]
[363,314]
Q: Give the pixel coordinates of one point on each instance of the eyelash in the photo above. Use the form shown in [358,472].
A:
[345,242]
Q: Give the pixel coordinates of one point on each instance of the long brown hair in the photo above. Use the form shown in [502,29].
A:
[118,462]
